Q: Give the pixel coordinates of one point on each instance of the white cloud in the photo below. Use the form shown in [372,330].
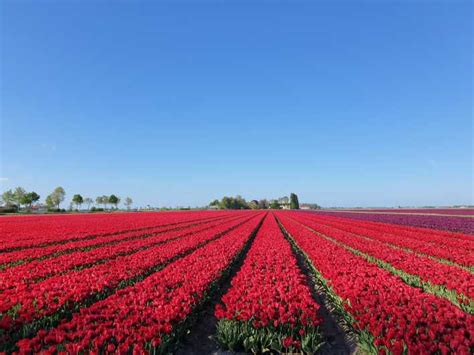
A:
[3,179]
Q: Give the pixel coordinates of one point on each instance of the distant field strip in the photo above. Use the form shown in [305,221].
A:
[466,215]
[428,221]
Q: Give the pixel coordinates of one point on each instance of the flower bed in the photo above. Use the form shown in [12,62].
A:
[388,314]
[269,305]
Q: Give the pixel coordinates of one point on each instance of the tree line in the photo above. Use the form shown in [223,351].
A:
[239,203]
[13,200]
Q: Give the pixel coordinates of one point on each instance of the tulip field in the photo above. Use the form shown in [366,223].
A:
[261,281]
[453,220]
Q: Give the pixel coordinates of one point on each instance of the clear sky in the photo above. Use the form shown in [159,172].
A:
[177,103]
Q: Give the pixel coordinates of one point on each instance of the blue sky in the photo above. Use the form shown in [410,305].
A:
[177,103]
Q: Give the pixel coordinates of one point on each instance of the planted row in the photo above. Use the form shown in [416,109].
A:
[35,231]
[59,294]
[269,305]
[149,315]
[457,251]
[460,282]
[446,211]
[389,315]
[429,235]
[442,223]
[19,277]
[23,256]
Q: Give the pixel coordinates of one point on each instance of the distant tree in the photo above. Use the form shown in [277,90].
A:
[34,196]
[77,200]
[283,200]
[128,202]
[214,203]
[102,200]
[57,196]
[19,195]
[8,198]
[253,205]
[226,203]
[240,203]
[114,200]
[263,204]
[49,202]
[25,200]
[233,203]
[29,198]
[88,201]
[294,204]
[98,200]
[275,205]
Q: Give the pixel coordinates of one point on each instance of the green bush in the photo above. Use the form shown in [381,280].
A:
[9,209]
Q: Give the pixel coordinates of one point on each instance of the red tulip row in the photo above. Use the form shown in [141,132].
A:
[146,316]
[19,278]
[455,250]
[56,227]
[61,293]
[452,225]
[269,305]
[396,315]
[16,257]
[457,240]
[37,231]
[451,277]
